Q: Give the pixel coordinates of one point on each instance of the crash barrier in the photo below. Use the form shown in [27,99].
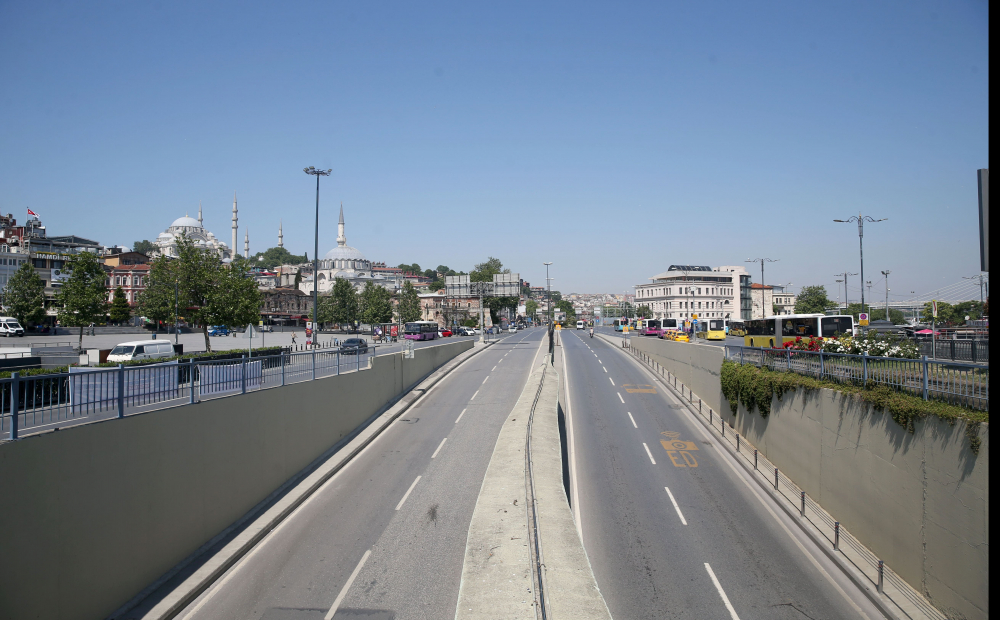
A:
[103,510]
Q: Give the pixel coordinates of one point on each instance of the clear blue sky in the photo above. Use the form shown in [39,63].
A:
[612,139]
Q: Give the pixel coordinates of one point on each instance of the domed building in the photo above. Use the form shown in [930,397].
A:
[348,263]
[166,242]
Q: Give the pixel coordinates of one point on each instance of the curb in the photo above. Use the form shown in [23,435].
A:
[302,486]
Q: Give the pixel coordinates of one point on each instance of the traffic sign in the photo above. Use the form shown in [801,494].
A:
[695,317]
[863,318]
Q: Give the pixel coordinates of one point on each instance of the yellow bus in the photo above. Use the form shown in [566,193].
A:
[735,328]
[774,331]
[716,329]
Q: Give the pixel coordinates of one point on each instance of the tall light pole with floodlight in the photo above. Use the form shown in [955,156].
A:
[315,329]
[861,219]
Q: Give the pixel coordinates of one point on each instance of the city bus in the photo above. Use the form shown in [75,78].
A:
[649,327]
[716,329]
[420,330]
[667,325]
[735,327]
[620,324]
[774,331]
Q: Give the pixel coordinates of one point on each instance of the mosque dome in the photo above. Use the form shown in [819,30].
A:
[186,221]
[344,252]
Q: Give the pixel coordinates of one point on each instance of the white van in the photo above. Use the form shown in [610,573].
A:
[10,327]
[580,325]
[141,350]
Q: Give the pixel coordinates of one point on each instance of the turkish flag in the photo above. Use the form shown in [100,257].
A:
[30,212]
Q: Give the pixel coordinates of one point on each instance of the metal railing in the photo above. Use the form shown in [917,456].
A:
[37,402]
[958,383]
[975,351]
[844,544]
[38,345]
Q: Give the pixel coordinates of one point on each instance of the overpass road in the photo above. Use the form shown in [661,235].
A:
[680,533]
[385,537]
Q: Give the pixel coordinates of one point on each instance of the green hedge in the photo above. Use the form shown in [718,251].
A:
[754,387]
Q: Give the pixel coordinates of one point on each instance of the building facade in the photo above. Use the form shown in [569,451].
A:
[683,291]
[349,264]
[194,229]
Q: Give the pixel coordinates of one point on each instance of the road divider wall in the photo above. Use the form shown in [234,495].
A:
[919,501]
[92,514]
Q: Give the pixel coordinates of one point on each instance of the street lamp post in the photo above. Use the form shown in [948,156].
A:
[886,272]
[845,274]
[861,219]
[982,280]
[763,310]
[315,329]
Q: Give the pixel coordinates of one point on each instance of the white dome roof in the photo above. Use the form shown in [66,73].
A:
[344,252]
[186,221]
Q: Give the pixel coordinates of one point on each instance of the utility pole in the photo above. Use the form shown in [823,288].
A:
[176,287]
[845,275]
[886,273]
[317,174]
[861,219]
[763,310]
[983,280]
[548,284]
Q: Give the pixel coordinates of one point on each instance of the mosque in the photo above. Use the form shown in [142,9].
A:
[166,242]
[348,263]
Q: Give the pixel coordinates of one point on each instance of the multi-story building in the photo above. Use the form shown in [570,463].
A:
[683,291]
[129,270]
[762,300]
[286,306]
[783,301]
[11,259]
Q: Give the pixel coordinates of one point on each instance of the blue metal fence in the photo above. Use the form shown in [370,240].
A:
[958,383]
[37,402]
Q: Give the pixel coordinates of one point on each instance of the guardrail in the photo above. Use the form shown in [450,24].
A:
[35,401]
[974,351]
[958,383]
[38,345]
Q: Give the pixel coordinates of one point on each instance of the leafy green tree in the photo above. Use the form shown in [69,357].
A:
[341,306]
[120,310]
[409,303]
[197,272]
[156,303]
[376,304]
[24,296]
[275,257]
[812,300]
[952,314]
[235,299]
[484,272]
[143,247]
[644,311]
[414,268]
[83,297]
[567,307]
[530,308]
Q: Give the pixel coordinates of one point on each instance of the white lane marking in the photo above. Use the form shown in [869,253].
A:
[459,416]
[486,379]
[347,586]
[436,451]
[650,454]
[474,396]
[599,360]
[620,397]
[494,368]
[722,593]
[407,494]
[739,473]
[574,488]
[676,507]
[612,381]
[605,369]
[633,419]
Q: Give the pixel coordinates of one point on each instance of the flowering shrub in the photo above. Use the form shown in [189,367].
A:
[874,344]
[801,344]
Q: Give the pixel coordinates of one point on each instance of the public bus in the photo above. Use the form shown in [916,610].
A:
[774,331]
[735,327]
[649,327]
[716,329]
[620,324]
[420,330]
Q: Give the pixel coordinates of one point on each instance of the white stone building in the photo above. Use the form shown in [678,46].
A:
[683,291]
[166,242]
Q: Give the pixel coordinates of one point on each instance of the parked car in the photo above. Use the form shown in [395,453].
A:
[512,329]
[10,327]
[219,330]
[467,331]
[141,350]
[445,332]
[354,346]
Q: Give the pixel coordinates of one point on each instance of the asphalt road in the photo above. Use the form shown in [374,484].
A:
[721,551]
[396,518]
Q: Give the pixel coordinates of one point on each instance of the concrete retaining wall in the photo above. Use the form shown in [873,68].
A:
[93,514]
[919,501]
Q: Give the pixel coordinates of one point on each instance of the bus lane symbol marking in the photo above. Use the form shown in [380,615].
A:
[678,450]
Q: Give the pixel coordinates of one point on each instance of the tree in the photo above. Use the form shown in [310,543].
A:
[414,268]
[376,304]
[143,247]
[235,299]
[197,272]
[156,303]
[341,306]
[120,310]
[275,257]
[83,298]
[24,296]
[812,300]
[567,307]
[644,311]
[952,314]
[409,303]
[484,272]
[530,308]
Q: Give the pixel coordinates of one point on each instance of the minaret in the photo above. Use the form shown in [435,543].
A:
[341,239]
[281,237]
[246,244]
[235,220]
[201,220]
